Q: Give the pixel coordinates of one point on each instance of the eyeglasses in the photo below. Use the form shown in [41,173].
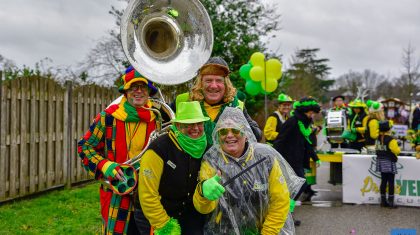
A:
[139,86]
[225,131]
[191,125]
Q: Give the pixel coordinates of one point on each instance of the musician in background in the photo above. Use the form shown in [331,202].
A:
[276,119]
[214,90]
[257,201]
[338,104]
[168,175]
[357,123]
[117,134]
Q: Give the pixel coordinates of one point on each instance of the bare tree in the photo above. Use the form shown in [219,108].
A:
[103,64]
[411,72]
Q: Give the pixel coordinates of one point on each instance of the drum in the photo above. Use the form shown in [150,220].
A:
[336,123]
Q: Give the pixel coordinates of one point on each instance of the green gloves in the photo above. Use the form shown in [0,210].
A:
[318,163]
[212,190]
[171,227]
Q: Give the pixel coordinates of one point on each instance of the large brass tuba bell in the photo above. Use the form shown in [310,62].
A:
[167,40]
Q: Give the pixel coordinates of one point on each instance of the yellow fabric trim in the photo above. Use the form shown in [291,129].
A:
[106,166]
[270,132]
[241,104]
[362,129]
[278,206]
[374,129]
[212,111]
[151,168]
[137,141]
[173,138]
[393,146]
[201,204]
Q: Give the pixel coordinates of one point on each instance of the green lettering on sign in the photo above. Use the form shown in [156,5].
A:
[412,188]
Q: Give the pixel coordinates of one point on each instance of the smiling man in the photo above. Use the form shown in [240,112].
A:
[214,90]
[168,175]
[117,134]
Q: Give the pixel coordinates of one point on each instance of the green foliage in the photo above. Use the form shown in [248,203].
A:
[74,211]
[307,75]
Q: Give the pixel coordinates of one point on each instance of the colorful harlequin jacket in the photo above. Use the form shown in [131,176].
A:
[115,136]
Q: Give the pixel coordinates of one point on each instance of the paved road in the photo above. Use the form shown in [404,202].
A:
[325,214]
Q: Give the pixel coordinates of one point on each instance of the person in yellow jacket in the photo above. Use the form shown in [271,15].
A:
[243,184]
[168,175]
[376,114]
[276,119]
[356,123]
[387,150]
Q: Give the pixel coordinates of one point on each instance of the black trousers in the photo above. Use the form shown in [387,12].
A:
[387,179]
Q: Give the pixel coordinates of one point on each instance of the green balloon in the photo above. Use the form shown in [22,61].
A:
[252,88]
[244,71]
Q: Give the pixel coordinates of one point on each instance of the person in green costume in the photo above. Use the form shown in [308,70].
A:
[214,90]
[168,175]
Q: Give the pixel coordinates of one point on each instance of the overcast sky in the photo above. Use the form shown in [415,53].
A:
[354,34]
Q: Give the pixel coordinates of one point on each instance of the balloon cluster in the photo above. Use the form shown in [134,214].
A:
[261,76]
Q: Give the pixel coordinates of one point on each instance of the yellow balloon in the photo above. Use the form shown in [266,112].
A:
[269,85]
[257,73]
[257,59]
[273,69]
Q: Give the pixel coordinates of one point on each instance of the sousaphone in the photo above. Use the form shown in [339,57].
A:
[167,40]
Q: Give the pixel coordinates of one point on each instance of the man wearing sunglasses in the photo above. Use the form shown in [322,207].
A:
[243,184]
[118,134]
[214,90]
[168,174]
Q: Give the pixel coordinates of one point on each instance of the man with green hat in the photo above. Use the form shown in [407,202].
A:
[276,119]
[169,172]
[117,134]
[214,90]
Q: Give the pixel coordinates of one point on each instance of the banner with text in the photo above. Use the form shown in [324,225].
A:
[361,182]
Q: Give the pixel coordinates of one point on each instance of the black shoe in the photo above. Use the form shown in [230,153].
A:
[384,202]
[297,222]
[391,204]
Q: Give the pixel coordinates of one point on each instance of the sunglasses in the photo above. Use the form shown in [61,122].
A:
[225,131]
[135,87]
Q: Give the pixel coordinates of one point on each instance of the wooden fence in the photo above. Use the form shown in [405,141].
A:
[41,122]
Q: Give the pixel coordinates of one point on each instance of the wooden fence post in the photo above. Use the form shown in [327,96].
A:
[2,143]
[67,133]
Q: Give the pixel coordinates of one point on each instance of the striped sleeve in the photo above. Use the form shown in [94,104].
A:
[91,145]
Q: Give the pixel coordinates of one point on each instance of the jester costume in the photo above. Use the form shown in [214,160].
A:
[117,134]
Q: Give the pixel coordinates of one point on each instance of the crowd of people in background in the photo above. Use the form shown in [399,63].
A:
[211,173]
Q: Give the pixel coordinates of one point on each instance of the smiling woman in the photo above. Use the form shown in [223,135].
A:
[256,199]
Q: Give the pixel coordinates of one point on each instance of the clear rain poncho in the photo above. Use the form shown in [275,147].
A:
[244,205]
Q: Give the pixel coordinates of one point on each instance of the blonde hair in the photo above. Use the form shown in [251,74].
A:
[196,93]
[380,116]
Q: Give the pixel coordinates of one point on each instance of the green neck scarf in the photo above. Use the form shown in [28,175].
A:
[306,131]
[194,147]
[209,125]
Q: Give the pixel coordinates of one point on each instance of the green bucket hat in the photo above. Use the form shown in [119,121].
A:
[189,112]
[283,98]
